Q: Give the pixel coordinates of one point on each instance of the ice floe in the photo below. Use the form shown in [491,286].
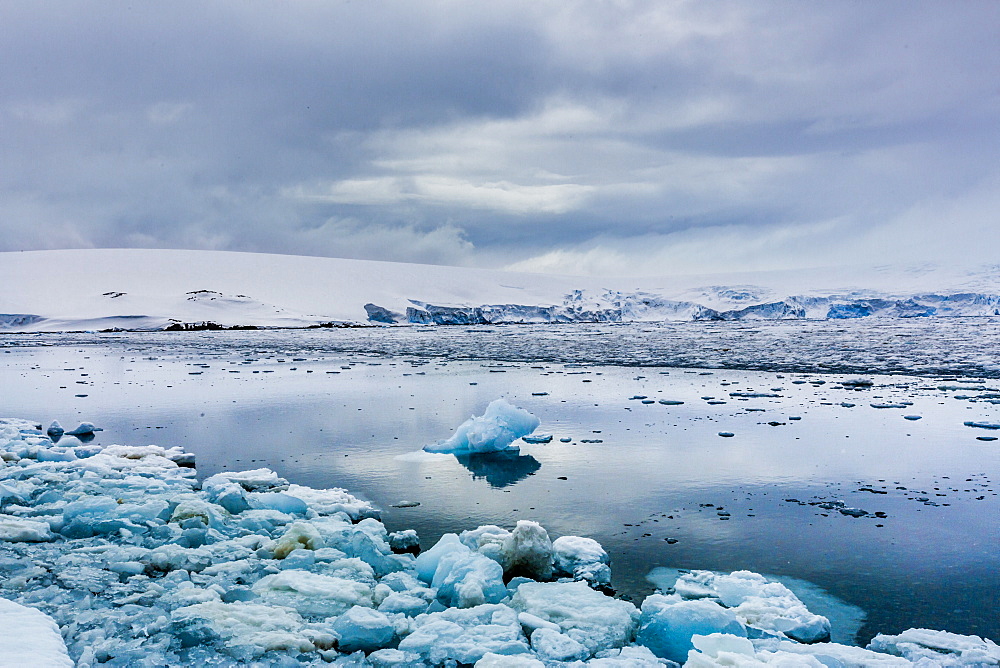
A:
[495,430]
[118,556]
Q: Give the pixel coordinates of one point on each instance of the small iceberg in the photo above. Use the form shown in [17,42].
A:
[495,430]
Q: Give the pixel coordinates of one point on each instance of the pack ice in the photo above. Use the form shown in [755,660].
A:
[117,556]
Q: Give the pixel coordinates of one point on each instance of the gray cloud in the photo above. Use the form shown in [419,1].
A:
[579,137]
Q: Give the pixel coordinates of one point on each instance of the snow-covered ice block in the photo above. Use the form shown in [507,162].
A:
[300,535]
[833,654]
[406,540]
[668,623]
[581,559]
[632,656]
[467,579]
[241,625]
[589,617]
[719,649]
[939,648]
[280,501]
[363,629]
[394,658]
[757,602]
[427,562]
[500,661]
[19,530]
[83,429]
[30,638]
[332,501]
[496,429]
[552,645]
[525,551]
[403,604]
[254,480]
[466,635]
[312,594]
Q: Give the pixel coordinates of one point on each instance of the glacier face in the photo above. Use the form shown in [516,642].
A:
[747,304]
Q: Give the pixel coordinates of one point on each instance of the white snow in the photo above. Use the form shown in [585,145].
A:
[152,289]
[30,638]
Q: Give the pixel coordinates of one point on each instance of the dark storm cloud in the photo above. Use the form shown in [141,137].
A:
[593,137]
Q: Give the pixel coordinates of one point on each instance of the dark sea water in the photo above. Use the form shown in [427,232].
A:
[656,484]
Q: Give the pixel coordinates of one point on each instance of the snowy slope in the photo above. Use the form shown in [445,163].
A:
[151,289]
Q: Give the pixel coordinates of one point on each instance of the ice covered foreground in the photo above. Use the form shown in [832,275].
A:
[495,430]
[139,565]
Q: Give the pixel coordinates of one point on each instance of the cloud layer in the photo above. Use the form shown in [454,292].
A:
[604,138]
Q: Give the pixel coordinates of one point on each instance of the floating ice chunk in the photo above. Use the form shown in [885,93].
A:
[19,530]
[363,629]
[487,540]
[467,579]
[845,619]
[466,635]
[832,654]
[239,624]
[193,507]
[537,439]
[555,646]
[495,430]
[254,480]
[30,638]
[406,541]
[283,503]
[501,661]
[757,602]
[300,535]
[719,649]
[333,500]
[632,656]
[531,623]
[427,562]
[55,431]
[55,454]
[526,551]
[311,594]
[581,559]
[403,604]
[18,491]
[171,557]
[983,425]
[232,497]
[939,648]
[589,617]
[668,623]
[394,658]
[84,429]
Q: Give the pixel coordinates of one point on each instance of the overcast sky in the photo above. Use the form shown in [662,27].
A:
[609,138]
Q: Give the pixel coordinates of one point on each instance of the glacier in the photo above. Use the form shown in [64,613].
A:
[175,290]
[119,556]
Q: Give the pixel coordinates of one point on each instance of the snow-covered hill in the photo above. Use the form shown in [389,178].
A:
[156,289]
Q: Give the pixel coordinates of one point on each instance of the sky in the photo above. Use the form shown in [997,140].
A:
[592,138]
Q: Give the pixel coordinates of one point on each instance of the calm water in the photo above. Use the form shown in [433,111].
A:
[337,418]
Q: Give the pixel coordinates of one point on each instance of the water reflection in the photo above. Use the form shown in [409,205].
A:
[500,469]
